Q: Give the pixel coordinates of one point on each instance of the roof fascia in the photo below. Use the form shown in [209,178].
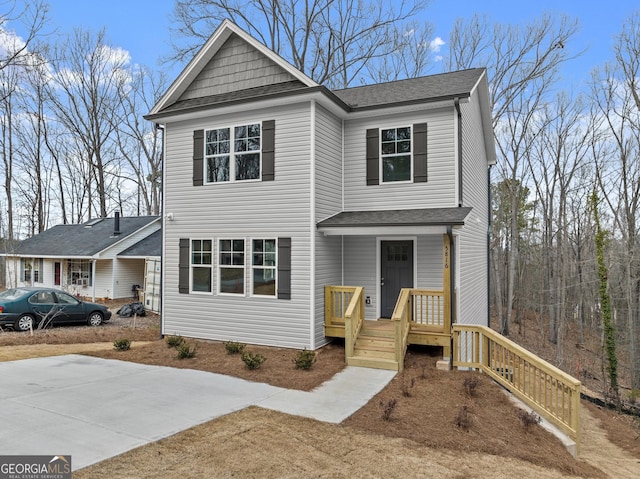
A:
[381,230]
[207,52]
[482,89]
[46,256]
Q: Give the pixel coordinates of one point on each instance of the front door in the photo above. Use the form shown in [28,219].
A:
[396,272]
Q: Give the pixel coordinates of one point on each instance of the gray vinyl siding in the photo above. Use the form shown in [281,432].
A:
[360,268]
[241,210]
[236,66]
[429,272]
[472,255]
[328,201]
[438,191]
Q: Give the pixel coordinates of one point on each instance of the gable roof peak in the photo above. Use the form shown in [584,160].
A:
[225,30]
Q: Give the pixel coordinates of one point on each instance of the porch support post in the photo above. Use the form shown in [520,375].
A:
[446,286]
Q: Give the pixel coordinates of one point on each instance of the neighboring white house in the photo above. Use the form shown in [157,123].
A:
[275,187]
[97,259]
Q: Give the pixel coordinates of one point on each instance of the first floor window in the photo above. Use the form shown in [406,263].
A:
[201,260]
[79,272]
[396,154]
[231,266]
[32,270]
[264,267]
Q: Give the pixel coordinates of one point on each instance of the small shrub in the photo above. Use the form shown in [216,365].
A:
[406,386]
[122,344]
[528,419]
[463,419]
[305,359]
[470,385]
[234,347]
[388,408]
[185,351]
[253,361]
[174,341]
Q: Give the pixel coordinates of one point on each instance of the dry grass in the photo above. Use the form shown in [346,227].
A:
[421,435]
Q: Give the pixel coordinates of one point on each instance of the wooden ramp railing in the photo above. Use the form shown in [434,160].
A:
[554,394]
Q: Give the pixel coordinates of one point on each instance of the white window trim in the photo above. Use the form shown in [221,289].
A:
[210,266]
[232,154]
[219,267]
[275,267]
[382,156]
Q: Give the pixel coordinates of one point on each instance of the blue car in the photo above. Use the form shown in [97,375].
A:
[22,308]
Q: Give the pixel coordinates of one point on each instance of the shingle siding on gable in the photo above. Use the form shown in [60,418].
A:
[236,66]
[473,237]
[438,191]
[241,210]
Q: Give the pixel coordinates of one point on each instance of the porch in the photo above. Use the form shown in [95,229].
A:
[423,317]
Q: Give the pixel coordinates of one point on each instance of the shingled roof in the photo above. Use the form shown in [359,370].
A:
[429,88]
[415,217]
[149,246]
[81,240]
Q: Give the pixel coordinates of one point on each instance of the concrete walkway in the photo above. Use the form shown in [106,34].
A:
[94,408]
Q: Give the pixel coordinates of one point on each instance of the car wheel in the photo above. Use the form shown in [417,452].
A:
[95,319]
[23,323]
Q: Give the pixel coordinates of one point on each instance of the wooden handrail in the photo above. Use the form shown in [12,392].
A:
[402,315]
[553,393]
[353,320]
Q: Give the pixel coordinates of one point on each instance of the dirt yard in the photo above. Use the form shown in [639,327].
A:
[438,428]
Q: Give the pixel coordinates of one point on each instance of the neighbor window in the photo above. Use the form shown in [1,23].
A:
[201,261]
[27,269]
[233,154]
[264,267]
[231,266]
[79,272]
[396,154]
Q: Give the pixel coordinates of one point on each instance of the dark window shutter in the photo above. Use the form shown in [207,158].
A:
[198,157]
[373,156]
[183,266]
[420,153]
[268,150]
[284,268]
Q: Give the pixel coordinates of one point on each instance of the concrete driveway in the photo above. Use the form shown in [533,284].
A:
[93,409]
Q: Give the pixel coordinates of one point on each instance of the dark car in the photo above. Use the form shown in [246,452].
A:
[24,307]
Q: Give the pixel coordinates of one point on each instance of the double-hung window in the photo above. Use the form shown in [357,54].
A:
[231,266]
[201,265]
[233,153]
[263,264]
[396,154]
[79,272]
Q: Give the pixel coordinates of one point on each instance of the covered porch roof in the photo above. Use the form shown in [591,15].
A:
[414,221]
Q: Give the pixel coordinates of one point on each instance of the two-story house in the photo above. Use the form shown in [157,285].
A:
[278,192]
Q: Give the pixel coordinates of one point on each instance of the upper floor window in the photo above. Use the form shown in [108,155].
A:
[395,145]
[233,154]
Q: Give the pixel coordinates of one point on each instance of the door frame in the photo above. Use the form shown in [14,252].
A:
[379,240]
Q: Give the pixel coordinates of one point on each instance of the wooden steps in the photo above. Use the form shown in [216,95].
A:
[374,347]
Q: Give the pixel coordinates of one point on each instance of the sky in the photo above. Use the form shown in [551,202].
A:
[142,26]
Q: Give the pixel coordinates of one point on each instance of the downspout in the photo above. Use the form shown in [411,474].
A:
[312,226]
[160,127]
[489,226]
[456,102]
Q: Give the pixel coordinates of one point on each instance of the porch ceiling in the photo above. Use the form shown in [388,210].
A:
[414,221]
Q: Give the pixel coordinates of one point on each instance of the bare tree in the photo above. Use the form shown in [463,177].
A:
[139,142]
[522,63]
[89,74]
[335,42]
